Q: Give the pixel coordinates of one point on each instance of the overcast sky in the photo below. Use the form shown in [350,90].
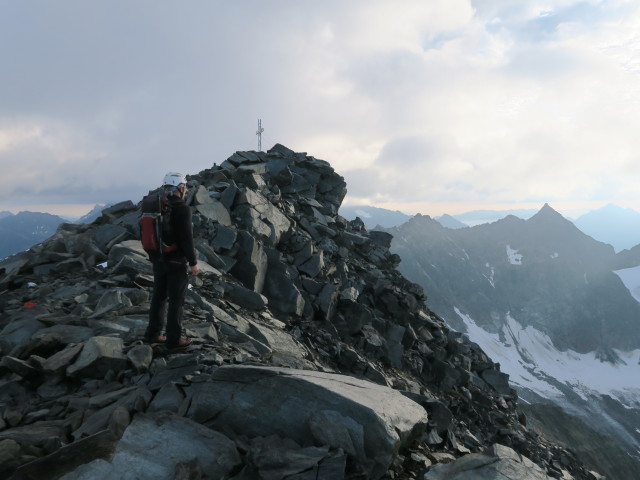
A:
[438,106]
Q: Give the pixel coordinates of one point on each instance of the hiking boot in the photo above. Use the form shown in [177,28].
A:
[184,342]
[156,339]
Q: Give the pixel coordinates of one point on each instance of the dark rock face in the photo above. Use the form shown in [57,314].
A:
[542,271]
[21,231]
[312,357]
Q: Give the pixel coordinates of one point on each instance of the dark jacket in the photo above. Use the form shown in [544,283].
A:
[182,231]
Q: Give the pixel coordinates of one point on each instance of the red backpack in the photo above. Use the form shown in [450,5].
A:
[155,225]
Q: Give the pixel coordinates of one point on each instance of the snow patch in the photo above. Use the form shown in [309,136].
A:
[491,275]
[631,279]
[363,214]
[530,359]
[514,257]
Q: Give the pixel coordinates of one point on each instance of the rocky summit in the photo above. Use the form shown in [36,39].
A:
[312,356]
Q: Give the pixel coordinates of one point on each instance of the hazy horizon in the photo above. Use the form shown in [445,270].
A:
[75,212]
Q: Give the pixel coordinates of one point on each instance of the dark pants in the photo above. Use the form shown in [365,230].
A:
[170,282]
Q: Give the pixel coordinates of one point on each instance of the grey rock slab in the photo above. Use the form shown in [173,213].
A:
[327,300]
[201,196]
[105,236]
[199,300]
[240,158]
[9,450]
[277,458]
[499,381]
[224,238]
[111,300]
[36,433]
[310,229]
[269,213]
[254,222]
[283,344]
[257,169]
[119,421]
[18,366]
[154,444]
[60,335]
[130,221]
[382,239]
[238,336]
[332,428]
[354,238]
[331,468]
[314,265]
[251,266]
[126,248]
[175,375]
[228,196]
[69,457]
[18,332]
[209,253]
[107,327]
[67,291]
[245,297]
[250,179]
[10,266]
[103,399]
[282,293]
[100,419]
[261,401]
[203,330]
[132,265]
[498,463]
[215,211]
[98,356]
[207,269]
[280,150]
[126,323]
[119,208]
[169,398]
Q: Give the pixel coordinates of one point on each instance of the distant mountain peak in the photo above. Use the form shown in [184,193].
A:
[612,224]
[374,216]
[546,214]
[548,210]
[448,221]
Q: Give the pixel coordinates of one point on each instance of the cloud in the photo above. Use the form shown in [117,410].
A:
[432,101]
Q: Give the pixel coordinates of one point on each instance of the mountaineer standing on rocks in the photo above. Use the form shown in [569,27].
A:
[170,279]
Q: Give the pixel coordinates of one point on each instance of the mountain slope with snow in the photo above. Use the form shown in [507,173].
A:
[374,216]
[25,229]
[549,303]
[543,271]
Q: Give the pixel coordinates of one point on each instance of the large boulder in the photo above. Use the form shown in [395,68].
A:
[369,421]
[156,445]
[251,267]
[98,356]
[497,463]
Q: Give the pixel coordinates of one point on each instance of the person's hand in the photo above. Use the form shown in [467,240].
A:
[195,270]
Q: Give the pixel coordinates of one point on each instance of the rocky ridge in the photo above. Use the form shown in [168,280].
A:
[543,271]
[312,356]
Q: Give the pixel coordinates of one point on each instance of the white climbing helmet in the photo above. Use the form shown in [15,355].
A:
[174,179]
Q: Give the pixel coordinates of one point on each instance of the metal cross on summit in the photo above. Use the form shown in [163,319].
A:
[259,133]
